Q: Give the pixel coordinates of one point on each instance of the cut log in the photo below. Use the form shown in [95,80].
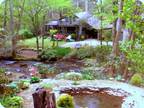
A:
[44,99]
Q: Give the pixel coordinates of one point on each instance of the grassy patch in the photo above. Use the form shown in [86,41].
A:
[31,43]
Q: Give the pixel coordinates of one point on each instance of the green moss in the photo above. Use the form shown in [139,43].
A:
[65,101]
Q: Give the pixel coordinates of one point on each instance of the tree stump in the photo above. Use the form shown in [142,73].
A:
[44,99]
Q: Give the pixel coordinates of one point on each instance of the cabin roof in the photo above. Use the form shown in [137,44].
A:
[82,17]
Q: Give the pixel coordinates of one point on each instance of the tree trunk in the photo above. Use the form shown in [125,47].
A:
[114,31]
[119,30]
[86,5]
[12,29]
[44,99]
[42,42]
[37,43]
[5,15]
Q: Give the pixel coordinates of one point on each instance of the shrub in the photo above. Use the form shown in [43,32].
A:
[65,101]
[42,68]
[3,79]
[83,52]
[88,74]
[2,70]
[46,69]
[25,33]
[23,84]
[73,36]
[54,53]
[59,37]
[136,80]
[35,79]
[47,86]
[12,102]
[102,53]
[14,87]
[6,91]
[73,76]
[134,56]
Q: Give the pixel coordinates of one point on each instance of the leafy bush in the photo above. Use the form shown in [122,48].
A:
[73,36]
[3,79]
[65,101]
[35,79]
[47,86]
[53,31]
[134,56]
[42,68]
[14,87]
[90,74]
[12,102]
[54,53]
[107,35]
[83,52]
[23,84]
[46,69]
[2,70]
[100,52]
[73,76]
[25,33]
[136,80]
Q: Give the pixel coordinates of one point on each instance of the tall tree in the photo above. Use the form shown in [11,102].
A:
[119,29]
[12,28]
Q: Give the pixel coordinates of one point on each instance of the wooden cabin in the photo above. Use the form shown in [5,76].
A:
[83,24]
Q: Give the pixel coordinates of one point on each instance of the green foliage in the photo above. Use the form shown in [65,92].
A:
[73,76]
[136,80]
[54,53]
[47,86]
[3,79]
[102,53]
[7,90]
[107,34]
[65,101]
[43,69]
[14,87]
[23,84]
[134,56]
[35,79]
[83,52]
[92,73]
[88,74]
[2,70]
[86,52]
[75,83]
[12,102]
[53,31]
[25,33]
